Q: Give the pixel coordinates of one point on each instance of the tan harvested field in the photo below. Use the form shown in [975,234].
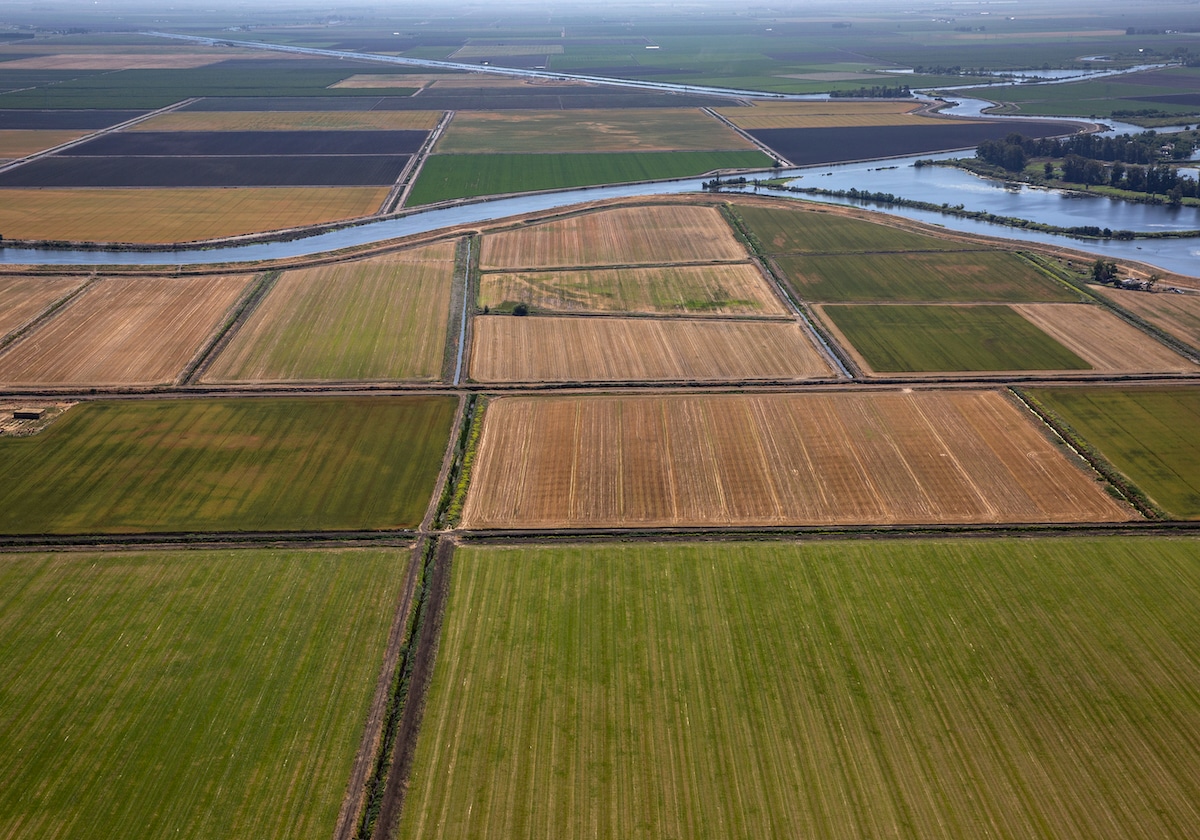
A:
[781,459]
[736,289]
[823,114]
[123,331]
[537,349]
[1178,315]
[1106,342]
[19,143]
[291,121]
[117,61]
[23,298]
[633,130]
[382,318]
[175,215]
[626,236]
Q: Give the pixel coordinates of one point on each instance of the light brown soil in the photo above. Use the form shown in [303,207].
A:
[1178,315]
[625,236]
[550,349]
[787,459]
[23,298]
[123,331]
[117,61]
[1102,339]
[18,143]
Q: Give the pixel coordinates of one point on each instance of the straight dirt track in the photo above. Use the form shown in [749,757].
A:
[884,458]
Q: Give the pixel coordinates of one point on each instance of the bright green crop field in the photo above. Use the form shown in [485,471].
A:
[186,694]
[464,176]
[1039,688]
[983,276]
[1150,434]
[227,465]
[809,232]
[910,338]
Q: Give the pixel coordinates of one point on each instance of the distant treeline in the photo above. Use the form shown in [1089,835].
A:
[874,92]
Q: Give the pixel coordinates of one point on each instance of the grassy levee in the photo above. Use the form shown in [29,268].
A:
[464,176]
[227,465]
[955,689]
[913,338]
[983,276]
[1152,435]
[191,693]
[781,231]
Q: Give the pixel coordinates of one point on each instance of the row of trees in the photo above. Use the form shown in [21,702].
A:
[1141,148]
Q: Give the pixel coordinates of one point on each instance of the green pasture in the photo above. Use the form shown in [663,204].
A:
[985,276]
[1038,688]
[780,231]
[175,694]
[1150,434]
[912,338]
[227,465]
[464,176]
[1099,97]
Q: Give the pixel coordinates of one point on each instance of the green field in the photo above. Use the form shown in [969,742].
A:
[374,319]
[983,276]
[186,694]
[911,338]
[807,232]
[956,689]
[635,129]
[464,176]
[1099,97]
[230,464]
[1150,434]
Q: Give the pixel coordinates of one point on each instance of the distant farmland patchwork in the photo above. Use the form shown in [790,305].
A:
[1019,688]
[198,693]
[227,465]
[820,459]
[380,318]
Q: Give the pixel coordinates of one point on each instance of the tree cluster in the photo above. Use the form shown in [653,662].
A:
[874,92]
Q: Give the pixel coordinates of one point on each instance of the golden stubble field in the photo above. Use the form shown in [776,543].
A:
[175,215]
[727,289]
[568,349]
[123,331]
[1178,315]
[1107,343]
[16,143]
[784,459]
[625,236]
[23,298]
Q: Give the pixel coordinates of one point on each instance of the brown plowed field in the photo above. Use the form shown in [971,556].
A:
[118,61]
[537,349]
[1104,340]
[627,236]
[175,215]
[292,121]
[18,143]
[822,114]
[123,331]
[737,289]
[22,298]
[382,318]
[784,459]
[1178,315]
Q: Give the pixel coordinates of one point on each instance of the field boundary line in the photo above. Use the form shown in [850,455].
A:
[246,304]
[449,458]
[431,608]
[46,314]
[745,135]
[356,786]
[70,144]
[408,175]
[470,287]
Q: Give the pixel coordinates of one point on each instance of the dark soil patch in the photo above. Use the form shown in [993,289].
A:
[217,171]
[269,143]
[62,120]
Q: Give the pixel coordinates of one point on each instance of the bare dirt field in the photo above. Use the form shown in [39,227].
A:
[1106,342]
[123,331]
[1178,315]
[626,236]
[18,143]
[292,121]
[382,318]
[736,289]
[175,215]
[823,114]
[117,61]
[23,298]
[547,349]
[785,459]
